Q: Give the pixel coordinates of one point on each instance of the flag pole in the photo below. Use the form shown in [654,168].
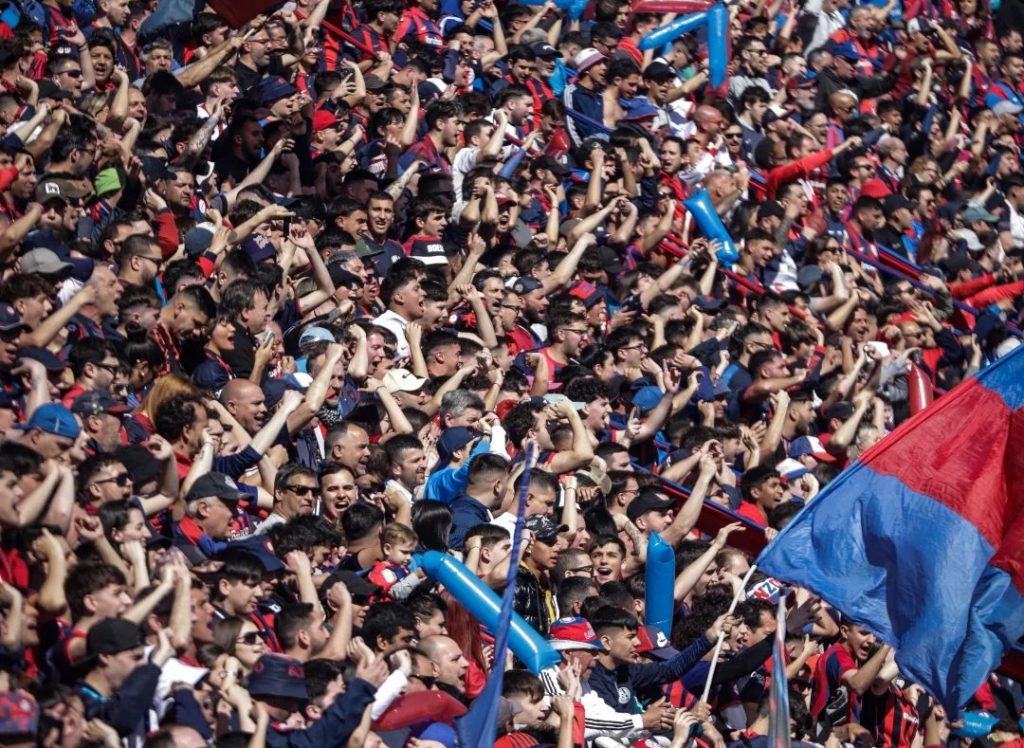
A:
[721,634]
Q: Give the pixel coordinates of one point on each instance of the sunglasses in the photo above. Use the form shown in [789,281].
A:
[301,490]
[121,479]
[250,639]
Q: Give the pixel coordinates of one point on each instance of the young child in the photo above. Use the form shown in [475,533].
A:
[398,542]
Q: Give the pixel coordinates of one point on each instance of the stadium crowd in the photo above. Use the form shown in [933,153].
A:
[284,303]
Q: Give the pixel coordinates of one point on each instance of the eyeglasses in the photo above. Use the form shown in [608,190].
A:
[301,490]
[513,307]
[583,569]
[637,347]
[112,368]
[121,479]
[157,260]
[250,639]
[573,330]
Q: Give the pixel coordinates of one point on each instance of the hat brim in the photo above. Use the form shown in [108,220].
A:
[568,645]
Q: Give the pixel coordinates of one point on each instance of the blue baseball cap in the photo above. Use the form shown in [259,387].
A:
[647,398]
[273,88]
[260,547]
[278,676]
[452,441]
[55,419]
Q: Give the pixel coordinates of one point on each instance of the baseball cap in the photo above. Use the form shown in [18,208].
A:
[215,485]
[610,259]
[573,633]
[501,198]
[543,528]
[274,389]
[374,82]
[402,380]
[53,418]
[315,334]
[113,635]
[273,88]
[976,213]
[647,398]
[708,303]
[363,249]
[544,51]
[523,286]
[845,50]
[452,441]
[771,209]
[553,165]
[95,403]
[44,262]
[280,676]
[587,58]
[43,356]
[654,642]
[641,109]
[259,248]
[875,188]
[588,293]
[810,445]
[647,501]
[260,547]
[790,469]
[324,120]
[55,188]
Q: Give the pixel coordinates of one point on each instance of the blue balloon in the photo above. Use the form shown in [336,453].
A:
[485,606]
[718,40]
[672,30]
[710,224]
[659,584]
[976,725]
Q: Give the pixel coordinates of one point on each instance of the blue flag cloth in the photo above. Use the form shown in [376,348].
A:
[921,540]
[479,725]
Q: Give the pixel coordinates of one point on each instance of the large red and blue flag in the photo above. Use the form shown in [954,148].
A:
[921,540]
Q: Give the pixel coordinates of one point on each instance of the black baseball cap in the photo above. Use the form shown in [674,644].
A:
[648,501]
[113,635]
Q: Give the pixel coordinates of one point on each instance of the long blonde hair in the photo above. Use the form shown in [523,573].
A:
[164,389]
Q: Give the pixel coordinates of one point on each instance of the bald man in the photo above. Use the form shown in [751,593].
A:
[450,663]
[245,401]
